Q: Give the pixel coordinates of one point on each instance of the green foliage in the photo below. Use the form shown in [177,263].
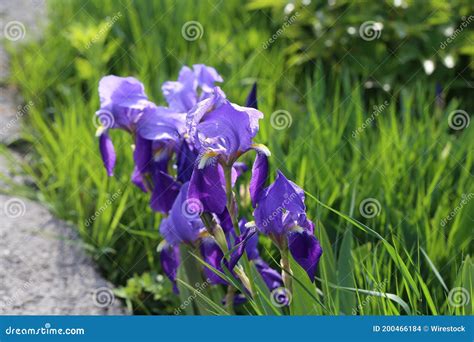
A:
[385,42]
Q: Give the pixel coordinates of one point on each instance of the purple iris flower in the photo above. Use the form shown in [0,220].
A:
[170,259]
[183,225]
[245,243]
[281,214]
[122,101]
[161,133]
[192,86]
[221,129]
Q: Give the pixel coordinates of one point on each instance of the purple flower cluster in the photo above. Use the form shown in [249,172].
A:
[186,156]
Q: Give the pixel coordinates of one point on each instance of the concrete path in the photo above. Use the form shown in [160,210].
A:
[44,269]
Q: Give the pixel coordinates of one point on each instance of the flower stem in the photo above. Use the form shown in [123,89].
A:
[286,272]
[233,212]
[229,299]
[230,199]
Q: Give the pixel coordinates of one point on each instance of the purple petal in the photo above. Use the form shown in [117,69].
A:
[279,206]
[162,124]
[181,95]
[206,77]
[186,160]
[165,191]
[252,98]
[213,255]
[206,186]
[124,98]
[251,247]
[271,277]
[240,168]
[259,177]
[306,250]
[226,131]
[240,243]
[138,180]
[183,223]
[225,221]
[107,152]
[142,154]
[170,259]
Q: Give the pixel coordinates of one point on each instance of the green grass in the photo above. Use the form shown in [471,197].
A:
[400,261]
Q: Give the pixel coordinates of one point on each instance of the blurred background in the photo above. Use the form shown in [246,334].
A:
[367,106]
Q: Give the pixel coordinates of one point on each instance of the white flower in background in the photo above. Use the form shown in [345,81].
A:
[290,7]
[448,31]
[351,30]
[369,84]
[429,66]
[449,61]
[400,3]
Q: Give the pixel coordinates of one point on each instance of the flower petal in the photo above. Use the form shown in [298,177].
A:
[185,161]
[170,259]
[107,152]
[181,94]
[279,206]
[240,244]
[160,123]
[213,255]
[138,180]
[183,225]
[206,186]
[306,250]
[165,191]
[124,98]
[142,154]
[206,77]
[270,276]
[252,97]
[259,177]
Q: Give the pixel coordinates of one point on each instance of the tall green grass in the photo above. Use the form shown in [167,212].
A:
[407,158]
